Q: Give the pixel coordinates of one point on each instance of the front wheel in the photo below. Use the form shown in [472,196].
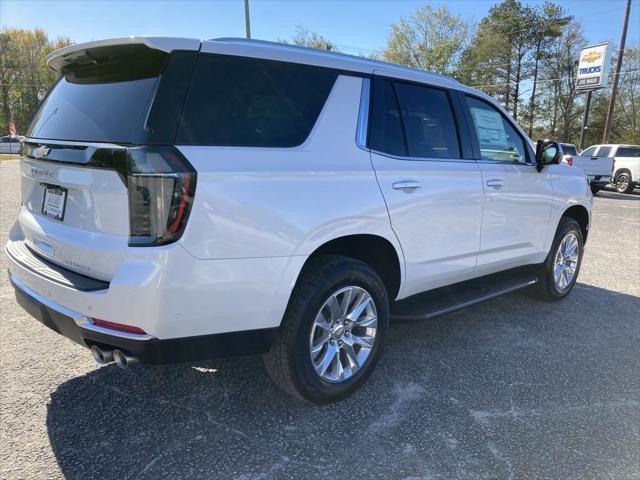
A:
[560,269]
[332,332]
[624,183]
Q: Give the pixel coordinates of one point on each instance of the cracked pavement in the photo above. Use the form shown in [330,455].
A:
[514,388]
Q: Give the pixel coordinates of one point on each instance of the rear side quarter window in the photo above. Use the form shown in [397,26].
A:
[252,103]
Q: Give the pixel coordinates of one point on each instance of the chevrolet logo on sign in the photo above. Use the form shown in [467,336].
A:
[591,57]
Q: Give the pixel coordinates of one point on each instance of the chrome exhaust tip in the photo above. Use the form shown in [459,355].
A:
[101,356]
[123,360]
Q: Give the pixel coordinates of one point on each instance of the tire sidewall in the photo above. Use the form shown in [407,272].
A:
[310,385]
[565,227]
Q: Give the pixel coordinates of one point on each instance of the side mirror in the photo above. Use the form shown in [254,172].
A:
[548,152]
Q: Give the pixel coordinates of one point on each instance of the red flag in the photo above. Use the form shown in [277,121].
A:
[12,127]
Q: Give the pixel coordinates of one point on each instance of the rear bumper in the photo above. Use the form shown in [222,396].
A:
[146,348]
[600,180]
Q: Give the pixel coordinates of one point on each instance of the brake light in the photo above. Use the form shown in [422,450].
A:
[118,326]
[161,185]
[569,159]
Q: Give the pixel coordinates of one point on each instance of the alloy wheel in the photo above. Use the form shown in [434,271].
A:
[343,334]
[566,261]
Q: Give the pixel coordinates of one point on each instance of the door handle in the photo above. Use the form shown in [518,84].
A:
[495,183]
[407,185]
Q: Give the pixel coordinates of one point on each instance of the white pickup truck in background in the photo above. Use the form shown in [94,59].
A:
[626,168]
[598,167]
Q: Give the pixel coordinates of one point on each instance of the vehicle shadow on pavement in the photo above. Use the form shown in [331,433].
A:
[512,388]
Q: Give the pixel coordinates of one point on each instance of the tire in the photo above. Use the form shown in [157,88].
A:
[289,361]
[548,288]
[594,188]
[623,183]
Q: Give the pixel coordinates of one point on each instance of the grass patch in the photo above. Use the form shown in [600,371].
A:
[9,156]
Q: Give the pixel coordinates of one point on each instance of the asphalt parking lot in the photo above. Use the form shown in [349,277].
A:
[515,388]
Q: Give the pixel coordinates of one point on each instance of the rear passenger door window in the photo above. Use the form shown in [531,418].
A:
[429,125]
[498,139]
[386,133]
[252,103]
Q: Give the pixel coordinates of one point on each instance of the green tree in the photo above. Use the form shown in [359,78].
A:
[549,24]
[431,38]
[304,38]
[24,75]
[499,57]
[561,110]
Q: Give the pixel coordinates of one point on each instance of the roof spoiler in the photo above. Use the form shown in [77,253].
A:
[58,59]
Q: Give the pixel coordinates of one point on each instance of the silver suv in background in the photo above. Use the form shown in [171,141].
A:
[626,168]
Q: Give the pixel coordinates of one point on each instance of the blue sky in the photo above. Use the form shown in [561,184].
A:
[356,26]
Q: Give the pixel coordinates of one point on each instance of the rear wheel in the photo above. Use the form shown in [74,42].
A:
[560,270]
[332,332]
[595,188]
[624,183]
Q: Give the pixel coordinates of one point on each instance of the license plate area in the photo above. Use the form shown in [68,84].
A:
[54,201]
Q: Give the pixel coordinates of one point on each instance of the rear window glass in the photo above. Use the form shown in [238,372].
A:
[257,103]
[104,95]
[95,112]
[569,149]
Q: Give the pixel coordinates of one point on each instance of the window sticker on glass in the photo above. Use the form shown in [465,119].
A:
[489,126]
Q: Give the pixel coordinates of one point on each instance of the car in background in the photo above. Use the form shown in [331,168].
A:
[597,168]
[626,167]
[9,144]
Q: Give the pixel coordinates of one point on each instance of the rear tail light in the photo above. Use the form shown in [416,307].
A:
[161,185]
[568,159]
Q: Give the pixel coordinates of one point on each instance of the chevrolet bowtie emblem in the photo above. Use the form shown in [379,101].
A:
[41,152]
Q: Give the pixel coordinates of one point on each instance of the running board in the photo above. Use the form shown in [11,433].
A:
[441,301]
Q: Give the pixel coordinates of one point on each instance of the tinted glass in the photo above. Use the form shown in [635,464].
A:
[428,121]
[628,152]
[257,103]
[98,112]
[588,152]
[498,140]
[603,152]
[386,126]
[569,149]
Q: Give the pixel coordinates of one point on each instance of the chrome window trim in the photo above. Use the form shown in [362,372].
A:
[363,114]
[424,159]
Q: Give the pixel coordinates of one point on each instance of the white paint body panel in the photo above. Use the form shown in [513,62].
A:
[258,214]
[438,223]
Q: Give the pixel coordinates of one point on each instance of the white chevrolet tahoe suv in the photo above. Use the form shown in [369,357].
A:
[185,200]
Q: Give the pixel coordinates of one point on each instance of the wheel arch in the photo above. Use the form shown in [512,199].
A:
[581,215]
[374,250]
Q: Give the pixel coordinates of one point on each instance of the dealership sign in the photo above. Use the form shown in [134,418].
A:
[592,67]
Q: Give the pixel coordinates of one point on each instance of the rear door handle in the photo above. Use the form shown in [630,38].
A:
[495,183]
[407,185]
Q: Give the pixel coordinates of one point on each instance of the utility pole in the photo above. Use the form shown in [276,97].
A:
[585,119]
[614,91]
[247,24]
